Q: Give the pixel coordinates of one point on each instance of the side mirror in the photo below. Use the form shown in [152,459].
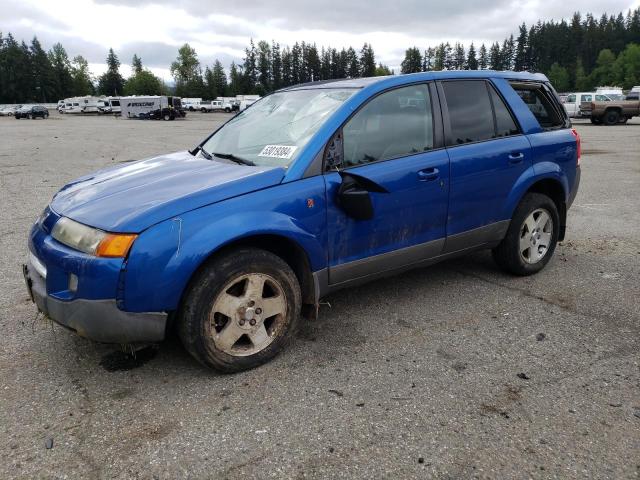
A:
[333,152]
[354,196]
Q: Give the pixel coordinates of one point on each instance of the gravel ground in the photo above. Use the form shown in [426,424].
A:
[455,371]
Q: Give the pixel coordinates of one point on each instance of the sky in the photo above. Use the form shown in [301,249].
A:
[155,29]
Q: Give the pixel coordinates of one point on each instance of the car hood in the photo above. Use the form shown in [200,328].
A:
[134,196]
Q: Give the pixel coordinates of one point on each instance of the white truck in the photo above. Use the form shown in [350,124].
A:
[191,104]
[246,100]
[152,107]
[614,93]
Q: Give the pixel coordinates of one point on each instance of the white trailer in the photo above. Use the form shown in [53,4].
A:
[151,107]
[191,104]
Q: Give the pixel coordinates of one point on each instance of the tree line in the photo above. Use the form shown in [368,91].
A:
[577,54]
[580,54]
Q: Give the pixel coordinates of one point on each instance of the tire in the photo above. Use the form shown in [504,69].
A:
[223,284]
[623,120]
[510,254]
[596,120]
[166,117]
[203,110]
[611,117]
[227,110]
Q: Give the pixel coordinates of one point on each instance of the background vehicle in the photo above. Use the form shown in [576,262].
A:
[211,106]
[32,112]
[614,112]
[313,189]
[77,105]
[614,93]
[191,104]
[9,110]
[151,107]
[60,106]
[574,101]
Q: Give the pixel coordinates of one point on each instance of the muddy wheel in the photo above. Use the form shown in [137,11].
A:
[531,238]
[241,309]
[611,117]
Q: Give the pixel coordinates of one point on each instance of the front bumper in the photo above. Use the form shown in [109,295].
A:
[99,320]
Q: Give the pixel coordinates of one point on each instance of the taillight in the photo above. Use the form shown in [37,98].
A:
[578,146]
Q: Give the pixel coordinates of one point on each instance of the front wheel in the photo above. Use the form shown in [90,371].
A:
[596,120]
[240,311]
[531,238]
[166,117]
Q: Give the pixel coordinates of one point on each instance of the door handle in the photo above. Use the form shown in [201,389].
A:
[428,174]
[516,157]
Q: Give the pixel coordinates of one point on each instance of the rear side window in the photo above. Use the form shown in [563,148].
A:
[476,112]
[571,99]
[505,125]
[542,104]
[470,112]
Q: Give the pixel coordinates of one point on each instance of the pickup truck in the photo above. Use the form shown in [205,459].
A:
[614,112]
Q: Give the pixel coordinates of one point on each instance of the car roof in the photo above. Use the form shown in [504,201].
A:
[417,77]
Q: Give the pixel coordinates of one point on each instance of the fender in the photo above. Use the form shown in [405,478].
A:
[165,256]
[535,173]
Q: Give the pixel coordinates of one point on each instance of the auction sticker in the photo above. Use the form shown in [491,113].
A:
[278,151]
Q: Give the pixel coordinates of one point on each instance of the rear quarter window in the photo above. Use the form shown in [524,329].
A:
[543,104]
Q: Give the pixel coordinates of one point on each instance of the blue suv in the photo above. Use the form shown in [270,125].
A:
[313,188]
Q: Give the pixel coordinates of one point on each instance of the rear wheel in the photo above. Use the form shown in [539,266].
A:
[203,110]
[241,310]
[596,120]
[166,117]
[611,117]
[531,238]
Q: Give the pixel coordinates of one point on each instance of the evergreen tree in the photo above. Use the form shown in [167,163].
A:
[459,57]
[44,79]
[250,69]
[520,60]
[287,73]
[264,67]
[383,70]
[111,82]
[136,64]
[61,71]
[427,60]
[276,66]
[235,80]
[367,61]
[412,61]
[472,61]
[353,68]
[581,80]
[325,64]
[483,59]
[495,59]
[296,64]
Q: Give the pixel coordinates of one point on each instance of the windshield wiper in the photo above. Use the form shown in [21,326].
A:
[233,158]
[205,154]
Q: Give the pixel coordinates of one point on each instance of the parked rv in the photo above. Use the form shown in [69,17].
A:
[86,104]
[109,105]
[152,107]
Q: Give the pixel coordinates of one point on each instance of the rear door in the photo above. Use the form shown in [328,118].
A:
[392,153]
[488,154]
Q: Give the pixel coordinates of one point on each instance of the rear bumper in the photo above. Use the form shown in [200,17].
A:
[99,320]
[574,190]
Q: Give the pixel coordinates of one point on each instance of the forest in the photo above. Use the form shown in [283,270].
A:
[578,54]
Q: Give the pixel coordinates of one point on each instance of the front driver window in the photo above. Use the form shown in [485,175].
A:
[394,124]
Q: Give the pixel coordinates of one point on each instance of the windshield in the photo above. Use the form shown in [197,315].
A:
[274,130]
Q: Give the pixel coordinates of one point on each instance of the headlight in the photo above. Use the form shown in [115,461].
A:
[92,240]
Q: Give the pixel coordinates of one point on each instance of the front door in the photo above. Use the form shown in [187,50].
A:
[390,154]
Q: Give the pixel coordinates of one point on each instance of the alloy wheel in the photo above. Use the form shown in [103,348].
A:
[536,233]
[247,314]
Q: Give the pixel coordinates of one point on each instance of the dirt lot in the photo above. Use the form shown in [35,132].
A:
[456,371]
